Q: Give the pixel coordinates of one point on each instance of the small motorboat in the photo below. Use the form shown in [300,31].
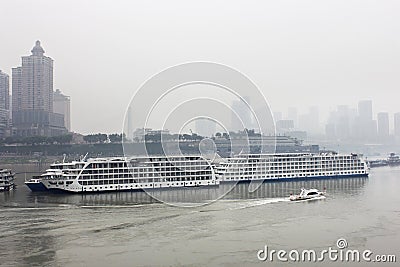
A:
[308,194]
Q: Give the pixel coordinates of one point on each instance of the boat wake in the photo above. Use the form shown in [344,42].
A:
[258,202]
[113,206]
[30,208]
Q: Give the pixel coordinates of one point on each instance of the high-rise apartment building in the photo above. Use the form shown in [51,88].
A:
[397,124]
[205,127]
[383,125]
[242,116]
[32,87]
[365,128]
[62,105]
[365,110]
[4,91]
[293,115]
[4,103]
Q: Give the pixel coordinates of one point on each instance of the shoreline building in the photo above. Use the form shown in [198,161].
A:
[32,97]
[205,127]
[241,115]
[4,104]
[62,105]
[383,126]
[396,122]
[365,126]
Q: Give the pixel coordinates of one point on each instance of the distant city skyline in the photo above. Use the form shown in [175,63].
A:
[351,54]
[359,122]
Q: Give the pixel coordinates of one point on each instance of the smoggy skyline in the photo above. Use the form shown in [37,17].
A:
[299,53]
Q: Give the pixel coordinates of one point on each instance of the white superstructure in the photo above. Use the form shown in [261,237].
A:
[120,173]
[160,172]
[290,165]
[6,180]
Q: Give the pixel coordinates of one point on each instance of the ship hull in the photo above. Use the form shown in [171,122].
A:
[6,188]
[74,188]
[150,189]
[36,187]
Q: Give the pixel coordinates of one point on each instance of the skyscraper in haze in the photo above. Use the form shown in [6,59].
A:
[4,91]
[4,103]
[205,127]
[32,87]
[397,124]
[309,122]
[365,110]
[343,122]
[128,124]
[293,115]
[242,116]
[365,127]
[277,116]
[383,125]
[62,105]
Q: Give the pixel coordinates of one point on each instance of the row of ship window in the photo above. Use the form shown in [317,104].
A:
[149,174]
[302,159]
[63,167]
[295,162]
[308,168]
[194,158]
[134,181]
[251,176]
[141,185]
[294,167]
[134,164]
[238,172]
[126,170]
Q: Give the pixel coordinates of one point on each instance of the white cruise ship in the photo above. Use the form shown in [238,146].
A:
[161,172]
[120,173]
[6,180]
[290,166]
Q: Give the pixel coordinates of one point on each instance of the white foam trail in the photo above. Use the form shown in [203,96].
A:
[259,202]
[31,208]
[111,206]
[66,206]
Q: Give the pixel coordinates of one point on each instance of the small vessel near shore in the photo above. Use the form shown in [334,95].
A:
[378,163]
[308,194]
[6,180]
[393,159]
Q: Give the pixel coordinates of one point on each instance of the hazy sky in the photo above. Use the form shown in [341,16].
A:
[300,53]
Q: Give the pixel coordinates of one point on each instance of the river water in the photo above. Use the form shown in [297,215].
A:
[132,229]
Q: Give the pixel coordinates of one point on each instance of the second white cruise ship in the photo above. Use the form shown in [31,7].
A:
[287,166]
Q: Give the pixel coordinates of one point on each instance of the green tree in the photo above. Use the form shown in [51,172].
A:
[115,138]
[95,138]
